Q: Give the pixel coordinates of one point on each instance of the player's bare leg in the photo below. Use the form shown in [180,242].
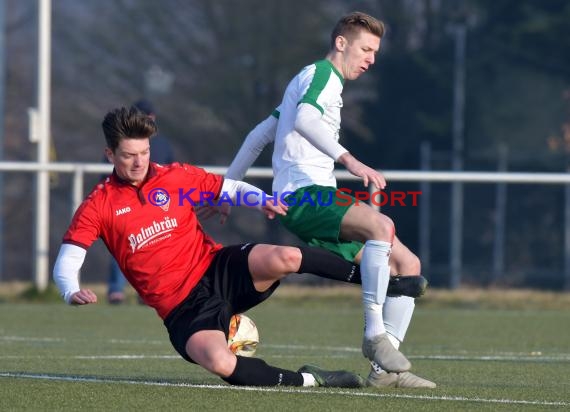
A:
[267,264]
[270,263]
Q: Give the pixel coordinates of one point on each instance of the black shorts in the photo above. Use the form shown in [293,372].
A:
[225,289]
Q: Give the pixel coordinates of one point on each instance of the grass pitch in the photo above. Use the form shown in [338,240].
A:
[101,357]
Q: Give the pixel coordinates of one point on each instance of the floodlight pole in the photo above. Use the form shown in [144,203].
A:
[42,183]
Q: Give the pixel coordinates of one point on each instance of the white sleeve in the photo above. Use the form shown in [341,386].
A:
[310,125]
[66,269]
[255,141]
[244,194]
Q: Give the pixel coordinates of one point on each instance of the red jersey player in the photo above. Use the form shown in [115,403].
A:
[144,213]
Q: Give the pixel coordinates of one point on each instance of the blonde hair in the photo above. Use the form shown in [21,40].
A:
[351,24]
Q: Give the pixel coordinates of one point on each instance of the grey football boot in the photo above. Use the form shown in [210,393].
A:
[379,349]
[334,379]
[383,379]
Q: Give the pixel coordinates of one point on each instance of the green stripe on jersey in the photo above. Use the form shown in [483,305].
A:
[323,71]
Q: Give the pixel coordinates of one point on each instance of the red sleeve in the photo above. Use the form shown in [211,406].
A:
[86,225]
[204,181]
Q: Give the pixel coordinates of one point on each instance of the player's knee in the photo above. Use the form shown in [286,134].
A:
[220,361]
[382,228]
[289,259]
[221,367]
[415,265]
[409,265]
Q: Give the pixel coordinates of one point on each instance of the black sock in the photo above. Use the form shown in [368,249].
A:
[255,372]
[326,264]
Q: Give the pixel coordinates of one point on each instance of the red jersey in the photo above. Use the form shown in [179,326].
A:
[152,230]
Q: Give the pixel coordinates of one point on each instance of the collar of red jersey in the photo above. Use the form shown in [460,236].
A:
[151,173]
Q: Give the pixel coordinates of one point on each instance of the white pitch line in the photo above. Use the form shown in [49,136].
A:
[496,358]
[537,356]
[46,339]
[483,358]
[131,341]
[94,357]
[115,357]
[526,358]
[29,339]
[312,347]
[281,390]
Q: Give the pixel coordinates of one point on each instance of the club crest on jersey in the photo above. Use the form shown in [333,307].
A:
[159,197]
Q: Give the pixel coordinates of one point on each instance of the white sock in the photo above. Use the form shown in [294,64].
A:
[398,313]
[375,273]
[308,379]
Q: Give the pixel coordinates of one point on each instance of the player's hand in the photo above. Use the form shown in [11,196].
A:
[83,297]
[274,206]
[207,211]
[357,168]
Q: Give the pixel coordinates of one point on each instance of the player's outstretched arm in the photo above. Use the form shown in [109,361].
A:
[357,168]
[310,125]
[270,209]
[66,275]
[243,194]
[251,148]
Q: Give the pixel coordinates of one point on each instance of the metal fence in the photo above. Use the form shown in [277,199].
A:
[425,178]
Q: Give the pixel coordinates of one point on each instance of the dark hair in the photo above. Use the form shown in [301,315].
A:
[351,24]
[123,123]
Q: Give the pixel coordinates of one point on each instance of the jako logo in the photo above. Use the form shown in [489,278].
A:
[122,211]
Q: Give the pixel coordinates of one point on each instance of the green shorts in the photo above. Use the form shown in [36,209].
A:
[315,214]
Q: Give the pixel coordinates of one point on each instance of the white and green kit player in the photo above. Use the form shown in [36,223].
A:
[305,132]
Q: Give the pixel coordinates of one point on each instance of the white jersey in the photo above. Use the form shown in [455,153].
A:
[296,162]
[304,129]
